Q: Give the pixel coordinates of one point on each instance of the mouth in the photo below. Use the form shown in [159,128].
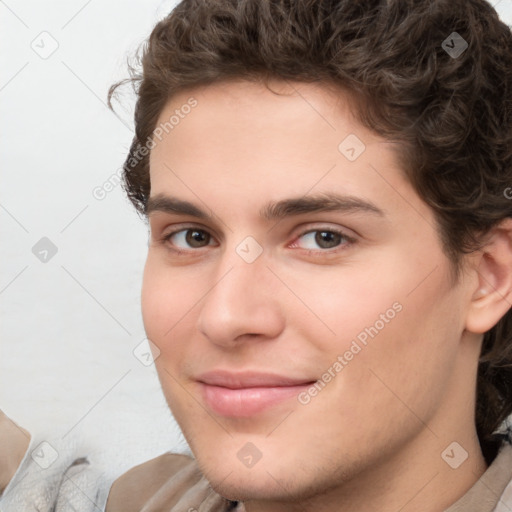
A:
[248,393]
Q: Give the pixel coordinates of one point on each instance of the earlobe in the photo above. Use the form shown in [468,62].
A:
[492,297]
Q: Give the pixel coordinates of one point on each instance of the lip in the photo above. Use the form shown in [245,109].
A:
[247,393]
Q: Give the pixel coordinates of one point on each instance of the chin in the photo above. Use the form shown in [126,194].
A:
[263,488]
[235,482]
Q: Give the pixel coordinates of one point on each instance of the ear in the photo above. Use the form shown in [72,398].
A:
[492,296]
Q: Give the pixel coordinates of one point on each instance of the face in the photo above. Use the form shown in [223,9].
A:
[296,288]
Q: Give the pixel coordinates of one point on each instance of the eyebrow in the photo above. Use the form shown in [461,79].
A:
[273,211]
[322,203]
[168,204]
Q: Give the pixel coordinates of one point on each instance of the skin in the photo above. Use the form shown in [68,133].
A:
[372,438]
[14,441]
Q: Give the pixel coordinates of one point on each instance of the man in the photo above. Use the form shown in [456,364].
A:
[329,276]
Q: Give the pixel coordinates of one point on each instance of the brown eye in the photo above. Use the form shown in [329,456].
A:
[328,239]
[190,238]
[197,238]
[322,239]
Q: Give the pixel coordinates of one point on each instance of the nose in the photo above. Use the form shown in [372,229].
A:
[242,304]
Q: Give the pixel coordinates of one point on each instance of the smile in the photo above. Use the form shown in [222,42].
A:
[249,393]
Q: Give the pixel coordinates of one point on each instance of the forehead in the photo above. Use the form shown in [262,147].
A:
[250,109]
[240,143]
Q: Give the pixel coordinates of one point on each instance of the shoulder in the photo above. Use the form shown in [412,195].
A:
[135,487]
[169,482]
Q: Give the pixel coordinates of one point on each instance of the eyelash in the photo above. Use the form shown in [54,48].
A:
[344,243]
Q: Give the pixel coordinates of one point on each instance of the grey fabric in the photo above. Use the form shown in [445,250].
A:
[56,475]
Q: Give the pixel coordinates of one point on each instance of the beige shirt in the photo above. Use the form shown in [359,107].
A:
[173,482]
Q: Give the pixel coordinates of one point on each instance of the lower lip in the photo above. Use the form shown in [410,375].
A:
[246,402]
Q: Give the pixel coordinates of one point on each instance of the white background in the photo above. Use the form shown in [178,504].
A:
[69,326]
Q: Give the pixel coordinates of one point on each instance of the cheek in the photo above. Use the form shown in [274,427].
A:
[167,303]
[406,363]
[167,298]
[395,322]
[154,302]
[343,305]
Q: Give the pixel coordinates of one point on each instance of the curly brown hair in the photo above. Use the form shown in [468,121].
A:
[450,114]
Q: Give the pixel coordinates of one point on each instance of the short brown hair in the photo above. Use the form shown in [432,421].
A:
[451,114]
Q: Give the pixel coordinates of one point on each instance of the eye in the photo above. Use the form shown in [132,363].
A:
[321,238]
[189,238]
